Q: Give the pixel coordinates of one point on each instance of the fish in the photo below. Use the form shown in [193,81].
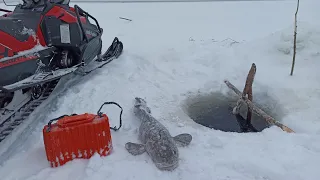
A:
[156,140]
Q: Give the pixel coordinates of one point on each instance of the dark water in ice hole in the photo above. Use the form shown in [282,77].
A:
[215,111]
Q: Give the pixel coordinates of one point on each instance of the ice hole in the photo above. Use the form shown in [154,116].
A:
[215,111]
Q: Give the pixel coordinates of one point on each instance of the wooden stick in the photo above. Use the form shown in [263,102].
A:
[294,39]
[248,89]
[260,112]
[250,78]
[125,19]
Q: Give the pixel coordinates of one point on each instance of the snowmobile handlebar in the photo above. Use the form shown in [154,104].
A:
[79,11]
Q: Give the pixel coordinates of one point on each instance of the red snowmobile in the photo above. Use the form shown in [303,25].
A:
[41,41]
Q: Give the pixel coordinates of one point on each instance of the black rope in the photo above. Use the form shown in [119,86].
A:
[115,128]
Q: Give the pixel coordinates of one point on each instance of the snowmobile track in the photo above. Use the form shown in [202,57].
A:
[23,113]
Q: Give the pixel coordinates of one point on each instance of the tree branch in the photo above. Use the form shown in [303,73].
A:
[295,39]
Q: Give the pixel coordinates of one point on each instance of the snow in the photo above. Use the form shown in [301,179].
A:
[176,50]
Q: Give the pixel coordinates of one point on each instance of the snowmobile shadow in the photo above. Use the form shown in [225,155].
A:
[215,111]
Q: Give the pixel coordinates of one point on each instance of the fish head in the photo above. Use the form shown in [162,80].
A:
[141,105]
[164,154]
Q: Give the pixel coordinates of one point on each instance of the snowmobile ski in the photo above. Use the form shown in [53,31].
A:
[113,52]
[39,78]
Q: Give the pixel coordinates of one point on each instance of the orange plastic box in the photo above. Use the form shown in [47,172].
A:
[77,136]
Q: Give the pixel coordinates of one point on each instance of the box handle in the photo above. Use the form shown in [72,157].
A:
[56,119]
[75,121]
[70,121]
[115,128]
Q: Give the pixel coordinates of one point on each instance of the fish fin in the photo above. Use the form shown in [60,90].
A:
[183,139]
[135,149]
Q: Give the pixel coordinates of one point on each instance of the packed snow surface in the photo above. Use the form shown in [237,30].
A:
[176,50]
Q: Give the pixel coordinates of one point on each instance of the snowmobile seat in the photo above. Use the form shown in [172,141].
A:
[19,24]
